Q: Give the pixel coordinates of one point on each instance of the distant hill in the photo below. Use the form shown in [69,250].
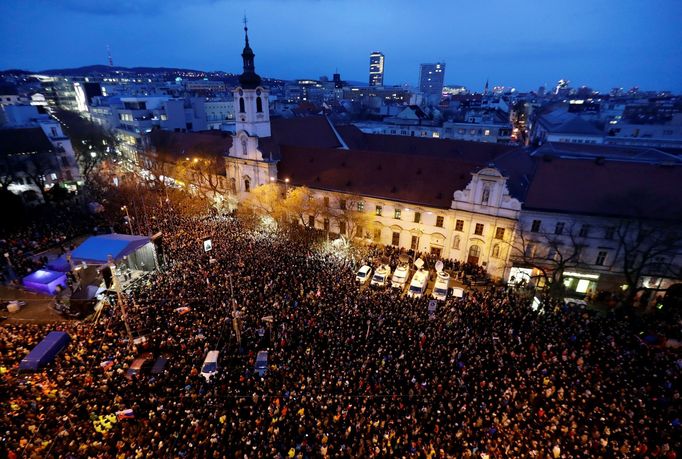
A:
[100,70]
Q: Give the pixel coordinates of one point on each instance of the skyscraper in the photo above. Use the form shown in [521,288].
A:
[376,69]
[431,78]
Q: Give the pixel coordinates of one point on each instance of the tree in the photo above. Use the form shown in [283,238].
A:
[91,143]
[264,201]
[648,248]
[206,173]
[549,253]
[37,167]
[356,219]
[301,204]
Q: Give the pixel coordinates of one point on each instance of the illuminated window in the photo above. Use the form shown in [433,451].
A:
[378,211]
[487,132]
[396,214]
[361,206]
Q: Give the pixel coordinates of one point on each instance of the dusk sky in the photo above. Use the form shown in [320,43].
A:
[524,44]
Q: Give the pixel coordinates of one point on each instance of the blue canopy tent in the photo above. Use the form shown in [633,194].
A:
[44,281]
[59,264]
[96,249]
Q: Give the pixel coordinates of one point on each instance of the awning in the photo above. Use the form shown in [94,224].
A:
[96,250]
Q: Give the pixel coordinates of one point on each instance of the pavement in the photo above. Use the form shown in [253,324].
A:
[38,306]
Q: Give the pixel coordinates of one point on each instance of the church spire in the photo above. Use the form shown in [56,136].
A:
[249,79]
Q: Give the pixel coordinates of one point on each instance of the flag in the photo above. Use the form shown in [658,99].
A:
[125,414]
[106,364]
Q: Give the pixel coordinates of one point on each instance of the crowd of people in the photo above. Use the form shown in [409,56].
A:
[352,372]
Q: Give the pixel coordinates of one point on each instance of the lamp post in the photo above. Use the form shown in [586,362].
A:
[130,226]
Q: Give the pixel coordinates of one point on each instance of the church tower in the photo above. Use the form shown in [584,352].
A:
[247,167]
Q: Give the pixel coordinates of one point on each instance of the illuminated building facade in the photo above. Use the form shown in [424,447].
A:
[376,69]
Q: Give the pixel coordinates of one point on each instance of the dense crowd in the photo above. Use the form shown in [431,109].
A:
[353,372]
[49,227]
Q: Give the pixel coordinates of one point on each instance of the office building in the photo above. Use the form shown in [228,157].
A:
[431,79]
[376,69]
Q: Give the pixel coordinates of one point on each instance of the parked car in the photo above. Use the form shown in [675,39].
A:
[381,276]
[400,276]
[363,274]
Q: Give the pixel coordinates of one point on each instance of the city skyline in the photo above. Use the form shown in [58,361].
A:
[587,44]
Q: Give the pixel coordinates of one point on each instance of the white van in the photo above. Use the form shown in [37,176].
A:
[400,276]
[363,274]
[381,276]
[210,365]
[441,287]
[418,285]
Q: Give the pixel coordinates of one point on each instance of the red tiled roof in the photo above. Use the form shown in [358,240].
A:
[475,152]
[610,189]
[180,144]
[399,177]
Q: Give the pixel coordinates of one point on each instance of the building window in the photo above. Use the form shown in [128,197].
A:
[479,229]
[535,227]
[459,225]
[601,258]
[456,241]
[496,251]
[311,221]
[439,221]
[259,105]
[247,185]
[244,148]
[609,232]
[559,228]
[378,211]
[499,233]
[395,240]
[396,214]
[435,251]
[417,217]
[326,201]
[242,109]
[361,206]
[413,244]
[377,234]
[342,204]
[342,227]
[584,230]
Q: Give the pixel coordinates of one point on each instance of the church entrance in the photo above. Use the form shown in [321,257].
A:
[474,254]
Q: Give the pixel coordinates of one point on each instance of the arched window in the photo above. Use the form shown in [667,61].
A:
[242,109]
[455,242]
[496,251]
[259,105]
[247,184]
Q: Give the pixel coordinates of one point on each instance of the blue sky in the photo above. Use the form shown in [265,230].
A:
[522,43]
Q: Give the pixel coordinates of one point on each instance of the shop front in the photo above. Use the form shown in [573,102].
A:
[580,283]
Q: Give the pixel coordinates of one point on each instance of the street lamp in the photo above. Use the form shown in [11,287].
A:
[130,226]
